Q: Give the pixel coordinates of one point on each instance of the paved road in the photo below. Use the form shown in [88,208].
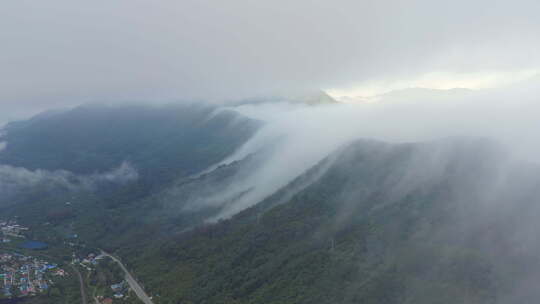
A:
[131,281]
[81,282]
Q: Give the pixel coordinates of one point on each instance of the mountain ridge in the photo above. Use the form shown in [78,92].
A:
[374,222]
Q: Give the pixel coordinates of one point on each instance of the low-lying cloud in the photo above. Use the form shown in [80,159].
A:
[297,137]
[14,180]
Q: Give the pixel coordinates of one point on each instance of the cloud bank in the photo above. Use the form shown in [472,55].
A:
[14,180]
[62,53]
[297,137]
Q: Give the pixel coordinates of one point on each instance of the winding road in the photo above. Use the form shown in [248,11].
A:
[131,281]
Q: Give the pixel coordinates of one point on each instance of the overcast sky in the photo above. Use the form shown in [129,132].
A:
[58,53]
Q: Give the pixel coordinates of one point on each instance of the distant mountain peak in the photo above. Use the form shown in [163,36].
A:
[313,98]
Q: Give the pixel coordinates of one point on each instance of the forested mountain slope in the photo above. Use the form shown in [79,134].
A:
[447,221]
[452,221]
[162,142]
[110,162]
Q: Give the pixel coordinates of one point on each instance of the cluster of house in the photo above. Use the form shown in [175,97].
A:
[10,228]
[22,275]
[88,261]
[120,289]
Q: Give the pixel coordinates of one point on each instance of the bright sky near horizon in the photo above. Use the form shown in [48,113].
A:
[62,53]
[438,81]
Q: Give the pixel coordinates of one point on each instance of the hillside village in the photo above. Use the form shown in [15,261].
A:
[22,275]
